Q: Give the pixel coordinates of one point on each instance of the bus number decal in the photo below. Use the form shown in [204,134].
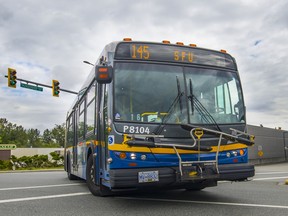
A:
[136,129]
[140,52]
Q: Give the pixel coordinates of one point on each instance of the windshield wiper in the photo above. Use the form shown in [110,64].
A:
[159,129]
[191,96]
[179,93]
[205,114]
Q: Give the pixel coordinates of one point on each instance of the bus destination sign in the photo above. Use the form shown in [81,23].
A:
[173,53]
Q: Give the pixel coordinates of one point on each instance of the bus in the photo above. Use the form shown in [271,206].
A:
[158,115]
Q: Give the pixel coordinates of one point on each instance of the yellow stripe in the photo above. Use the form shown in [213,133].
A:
[126,148]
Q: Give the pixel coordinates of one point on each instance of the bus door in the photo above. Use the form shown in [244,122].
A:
[285,136]
[71,143]
[100,125]
[74,163]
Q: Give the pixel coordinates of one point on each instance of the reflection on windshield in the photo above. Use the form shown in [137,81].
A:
[216,96]
[157,94]
[146,92]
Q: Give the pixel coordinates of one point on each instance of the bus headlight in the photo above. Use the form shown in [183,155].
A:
[228,154]
[109,160]
[143,157]
[133,156]
[234,153]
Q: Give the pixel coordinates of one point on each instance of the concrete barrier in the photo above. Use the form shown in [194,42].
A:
[19,152]
[270,145]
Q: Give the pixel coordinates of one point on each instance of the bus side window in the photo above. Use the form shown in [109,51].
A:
[70,131]
[81,123]
[90,116]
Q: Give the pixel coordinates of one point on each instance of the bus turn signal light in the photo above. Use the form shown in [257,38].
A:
[104,74]
[122,155]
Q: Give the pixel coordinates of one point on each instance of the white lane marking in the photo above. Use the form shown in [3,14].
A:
[270,178]
[42,186]
[205,202]
[43,197]
[270,173]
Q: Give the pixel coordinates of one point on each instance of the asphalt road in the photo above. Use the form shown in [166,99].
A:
[51,193]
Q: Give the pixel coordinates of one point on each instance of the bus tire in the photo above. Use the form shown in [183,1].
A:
[96,190]
[69,175]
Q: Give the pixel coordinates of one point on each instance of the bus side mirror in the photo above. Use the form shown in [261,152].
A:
[104,74]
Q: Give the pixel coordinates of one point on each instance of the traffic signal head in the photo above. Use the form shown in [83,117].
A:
[55,88]
[12,78]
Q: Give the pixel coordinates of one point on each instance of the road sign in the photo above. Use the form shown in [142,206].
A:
[260,153]
[7,146]
[37,88]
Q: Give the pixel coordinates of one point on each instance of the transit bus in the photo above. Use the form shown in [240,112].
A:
[158,115]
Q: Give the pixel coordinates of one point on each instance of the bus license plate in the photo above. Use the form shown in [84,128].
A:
[149,176]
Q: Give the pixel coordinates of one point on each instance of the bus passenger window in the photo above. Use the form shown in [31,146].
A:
[81,125]
[90,111]
[70,131]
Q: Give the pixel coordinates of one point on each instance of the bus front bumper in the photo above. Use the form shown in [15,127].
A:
[170,176]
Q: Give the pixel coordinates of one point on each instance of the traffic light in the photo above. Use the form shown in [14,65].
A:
[12,78]
[55,88]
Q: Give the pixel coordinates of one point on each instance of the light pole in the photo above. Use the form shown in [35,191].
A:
[86,62]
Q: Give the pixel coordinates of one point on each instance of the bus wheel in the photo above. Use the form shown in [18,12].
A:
[96,190]
[70,176]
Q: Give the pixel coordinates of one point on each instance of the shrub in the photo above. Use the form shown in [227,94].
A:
[57,159]
[5,165]
[36,161]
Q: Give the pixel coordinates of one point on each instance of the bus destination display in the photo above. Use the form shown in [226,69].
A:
[172,53]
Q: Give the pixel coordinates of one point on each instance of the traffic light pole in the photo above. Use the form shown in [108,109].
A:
[44,85]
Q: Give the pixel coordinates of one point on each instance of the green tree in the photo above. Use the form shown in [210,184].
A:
[20,136]
[58,133]
[33,138]
[47,137]
[16,134]
[4,132]
[12,133]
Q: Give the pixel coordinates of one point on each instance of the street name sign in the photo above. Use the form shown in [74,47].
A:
[7,146]
[36,88]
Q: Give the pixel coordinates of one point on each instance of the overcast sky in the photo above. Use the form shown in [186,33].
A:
[49,39]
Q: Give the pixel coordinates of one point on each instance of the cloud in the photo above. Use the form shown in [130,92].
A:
[47,40]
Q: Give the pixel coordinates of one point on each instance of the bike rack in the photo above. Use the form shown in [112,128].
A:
[212,165]
[197,169]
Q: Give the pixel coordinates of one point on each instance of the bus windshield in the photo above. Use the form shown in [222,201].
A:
[154,93]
